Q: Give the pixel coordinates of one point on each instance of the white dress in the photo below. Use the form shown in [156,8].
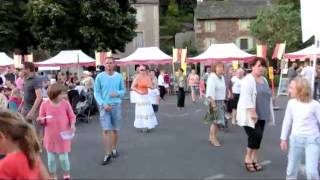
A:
[144,114]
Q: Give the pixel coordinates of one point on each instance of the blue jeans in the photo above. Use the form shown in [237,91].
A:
[111,120]
[299,146]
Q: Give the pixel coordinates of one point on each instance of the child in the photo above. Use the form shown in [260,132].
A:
[57,116]
[3,100]
[15,100]
[301,118]
[202,88]
[18,141]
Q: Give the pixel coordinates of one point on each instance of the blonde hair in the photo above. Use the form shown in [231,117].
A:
[15,93]
[303,89]
[14,127]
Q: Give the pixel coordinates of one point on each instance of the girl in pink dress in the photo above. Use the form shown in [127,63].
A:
[57,116]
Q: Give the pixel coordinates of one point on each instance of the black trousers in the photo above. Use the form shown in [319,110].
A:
[181,97]
[162,91]
[255,134]
[155,107]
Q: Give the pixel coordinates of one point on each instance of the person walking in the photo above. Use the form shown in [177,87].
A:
[180,87]
[57,116]
[145,118]
[162,84]
[304,127]
[108,90]
[193,82]
[254,110]
[216,95]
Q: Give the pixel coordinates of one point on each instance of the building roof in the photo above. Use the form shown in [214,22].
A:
[229,9]
[147,2]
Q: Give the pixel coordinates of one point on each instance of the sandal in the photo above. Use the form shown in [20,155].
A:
[257,166]
[215,143]
[250,167]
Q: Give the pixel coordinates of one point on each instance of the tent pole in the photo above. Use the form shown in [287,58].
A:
[78,67]
[314,65]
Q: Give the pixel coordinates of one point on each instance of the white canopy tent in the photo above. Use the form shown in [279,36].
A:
[305,53]
[146,55]
[5,60]
[222,52]
[68,58]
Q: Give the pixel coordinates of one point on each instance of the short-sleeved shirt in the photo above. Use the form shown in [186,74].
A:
[29,91]
[16,166]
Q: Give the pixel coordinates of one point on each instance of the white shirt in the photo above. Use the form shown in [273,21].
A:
[216,87]
[236,85]
[307,72]
[302,118]
[160,80]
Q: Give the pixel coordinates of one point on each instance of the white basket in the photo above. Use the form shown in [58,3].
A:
[67,135]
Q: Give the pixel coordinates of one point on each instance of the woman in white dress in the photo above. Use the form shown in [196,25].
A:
[145,118]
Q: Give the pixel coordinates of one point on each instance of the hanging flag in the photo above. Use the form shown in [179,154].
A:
[17,60]
[28,57]
[178,55]
[183,60]
[262,50]
[279,51]
[235,65]
[101,57]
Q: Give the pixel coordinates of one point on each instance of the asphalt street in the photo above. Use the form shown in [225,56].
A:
[177,149]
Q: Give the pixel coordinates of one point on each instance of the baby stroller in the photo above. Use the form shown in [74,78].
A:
[81,104]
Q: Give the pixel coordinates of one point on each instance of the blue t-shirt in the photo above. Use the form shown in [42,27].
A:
[106,84]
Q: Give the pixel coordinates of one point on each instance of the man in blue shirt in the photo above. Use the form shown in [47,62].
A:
[108,90]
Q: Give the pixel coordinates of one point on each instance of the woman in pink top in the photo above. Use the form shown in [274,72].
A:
[57,116]
[193,82]
[19,81]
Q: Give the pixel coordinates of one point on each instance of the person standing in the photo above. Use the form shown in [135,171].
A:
[180,87]
[108,90]
[145,118]
[307,72]
[236,89]
[156,98]
[216,95]
[32,95]
[193,82]
[304,127]
[161,84]
[292,72]
[254,110]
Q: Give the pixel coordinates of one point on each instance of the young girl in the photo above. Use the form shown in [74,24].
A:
[57,116]
[18,141]
[202,88]
[15,100]
[302,118]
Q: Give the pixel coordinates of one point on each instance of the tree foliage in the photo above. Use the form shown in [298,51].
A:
[277,24]
[14,27]
[87,25]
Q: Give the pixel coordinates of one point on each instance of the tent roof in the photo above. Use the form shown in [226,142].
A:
[146,55]
[222,52]
[5,60]
[307,52]
[68,58]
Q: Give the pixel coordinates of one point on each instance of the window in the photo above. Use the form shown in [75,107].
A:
[244,44]
[210,26]
[139,40]
[140,13]
[209,41]
[244,25]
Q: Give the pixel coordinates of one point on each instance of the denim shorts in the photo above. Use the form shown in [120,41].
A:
[111,120]
[195,89]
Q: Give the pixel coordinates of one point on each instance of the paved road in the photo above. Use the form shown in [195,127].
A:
[177,149]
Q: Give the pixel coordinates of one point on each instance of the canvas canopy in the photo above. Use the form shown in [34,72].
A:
[304,53]
[146,55]
[222,52]
[5,60]
[68,58]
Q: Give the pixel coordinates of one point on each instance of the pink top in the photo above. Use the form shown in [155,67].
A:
[19,83]
[16,100]
[202,85]
[62,118]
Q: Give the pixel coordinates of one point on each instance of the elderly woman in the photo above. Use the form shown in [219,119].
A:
[216,94]
[145,118]
[254,110]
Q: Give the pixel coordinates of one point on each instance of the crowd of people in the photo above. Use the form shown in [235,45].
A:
[36,111]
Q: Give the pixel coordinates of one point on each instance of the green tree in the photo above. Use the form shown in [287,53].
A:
[81,24]
[277,24]
[14,27]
